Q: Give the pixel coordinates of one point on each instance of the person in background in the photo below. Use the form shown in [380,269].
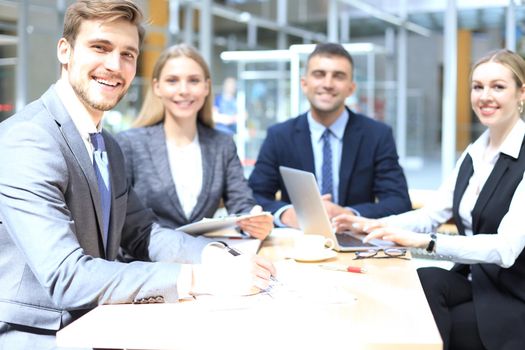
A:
[65,205]
[353,157]
[225,114]
[176,161]
[480,303]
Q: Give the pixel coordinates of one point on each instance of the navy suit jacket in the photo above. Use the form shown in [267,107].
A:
[371,180]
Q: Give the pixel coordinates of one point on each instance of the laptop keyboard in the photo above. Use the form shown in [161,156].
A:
[351,241]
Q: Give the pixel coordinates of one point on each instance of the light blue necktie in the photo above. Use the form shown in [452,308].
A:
[101,166]
[326,170]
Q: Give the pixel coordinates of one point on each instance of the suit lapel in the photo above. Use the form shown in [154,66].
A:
[113,242]
[303,144]
[75,143]
[351,142]
[209,155]
[500,168]
[464,174]
[158,150]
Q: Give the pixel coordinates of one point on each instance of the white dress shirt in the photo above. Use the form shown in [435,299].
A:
[78,113]
[502,248]
[186,171]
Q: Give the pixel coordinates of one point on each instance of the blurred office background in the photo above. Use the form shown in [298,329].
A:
[412,61]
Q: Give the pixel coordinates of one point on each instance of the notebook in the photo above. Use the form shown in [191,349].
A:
[311,214]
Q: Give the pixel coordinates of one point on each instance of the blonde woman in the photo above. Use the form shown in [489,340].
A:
[177,162]
[480,303]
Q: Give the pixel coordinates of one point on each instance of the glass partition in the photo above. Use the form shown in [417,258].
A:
[7,76]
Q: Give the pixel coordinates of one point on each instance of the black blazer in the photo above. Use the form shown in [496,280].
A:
[498,293]
[370,178]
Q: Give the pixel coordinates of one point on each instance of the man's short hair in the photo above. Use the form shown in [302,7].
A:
[331,49]
[106,10]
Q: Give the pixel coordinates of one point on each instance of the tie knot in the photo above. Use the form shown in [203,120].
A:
[326,134]
[98,141]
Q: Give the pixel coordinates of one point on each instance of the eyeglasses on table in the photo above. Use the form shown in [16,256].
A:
[386,253]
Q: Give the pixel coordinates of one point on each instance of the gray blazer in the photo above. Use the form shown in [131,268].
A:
[53,265]
[148,170]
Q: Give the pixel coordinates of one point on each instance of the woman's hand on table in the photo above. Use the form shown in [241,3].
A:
[397,235]
[356,224]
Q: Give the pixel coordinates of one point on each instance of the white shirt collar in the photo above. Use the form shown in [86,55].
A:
[77,111]
[337,128]
[511,146]
[193,144]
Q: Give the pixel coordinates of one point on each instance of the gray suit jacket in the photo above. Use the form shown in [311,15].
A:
[148,170]
[53,265]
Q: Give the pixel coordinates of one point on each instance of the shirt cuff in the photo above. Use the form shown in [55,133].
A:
[185,282]
[277,215]
[445,246]
[356,213]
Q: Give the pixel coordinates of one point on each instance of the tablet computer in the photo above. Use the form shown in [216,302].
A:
[208,225]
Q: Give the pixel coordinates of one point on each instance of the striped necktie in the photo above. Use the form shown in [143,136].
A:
[101,166]
[326,170]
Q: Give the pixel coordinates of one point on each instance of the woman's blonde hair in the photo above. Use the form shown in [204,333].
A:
[152,111]
[507,58]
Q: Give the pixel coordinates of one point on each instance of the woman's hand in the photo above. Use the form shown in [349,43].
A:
[357,224]
[258,226]
[397,235]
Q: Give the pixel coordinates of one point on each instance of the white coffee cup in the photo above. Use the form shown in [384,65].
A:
[311,244]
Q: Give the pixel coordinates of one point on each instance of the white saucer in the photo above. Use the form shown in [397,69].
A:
[286,232]
[320,255]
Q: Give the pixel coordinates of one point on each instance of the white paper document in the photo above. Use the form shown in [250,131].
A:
[295,284]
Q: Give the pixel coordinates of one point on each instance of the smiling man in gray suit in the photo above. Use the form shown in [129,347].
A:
[65,205]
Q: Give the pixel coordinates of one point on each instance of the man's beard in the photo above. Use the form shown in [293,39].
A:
[83,95]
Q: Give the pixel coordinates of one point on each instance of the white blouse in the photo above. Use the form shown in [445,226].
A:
[502,248]
[186,171]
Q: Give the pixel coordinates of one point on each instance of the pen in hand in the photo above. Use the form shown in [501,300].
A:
[231,250]
[235,252]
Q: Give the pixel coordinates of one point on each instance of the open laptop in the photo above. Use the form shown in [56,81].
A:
[311,214]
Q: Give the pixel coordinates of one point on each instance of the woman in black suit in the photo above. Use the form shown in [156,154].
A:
[176,161]
[480,303]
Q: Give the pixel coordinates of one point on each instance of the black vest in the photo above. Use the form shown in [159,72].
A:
[498,293]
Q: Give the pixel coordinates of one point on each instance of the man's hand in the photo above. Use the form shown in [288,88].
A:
[224,274]
[289,218]
[259,226]
[333,209]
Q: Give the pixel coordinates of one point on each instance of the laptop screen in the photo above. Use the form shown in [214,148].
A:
[311,213]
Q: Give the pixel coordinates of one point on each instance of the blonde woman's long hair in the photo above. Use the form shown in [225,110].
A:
[152,111]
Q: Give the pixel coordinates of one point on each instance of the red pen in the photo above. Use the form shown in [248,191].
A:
[355,269]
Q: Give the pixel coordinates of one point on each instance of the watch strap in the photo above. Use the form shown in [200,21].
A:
[432,244]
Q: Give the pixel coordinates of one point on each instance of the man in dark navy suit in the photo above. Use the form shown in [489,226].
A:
[353,157]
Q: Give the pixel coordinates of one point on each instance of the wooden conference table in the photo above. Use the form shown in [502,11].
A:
[388,311]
